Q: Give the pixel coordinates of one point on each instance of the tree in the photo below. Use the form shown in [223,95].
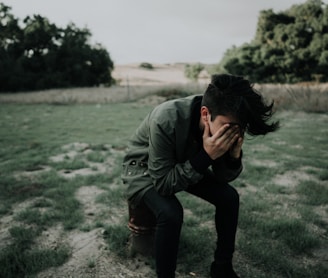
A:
[39,55]
[289,46]
[192,71]
[10,46]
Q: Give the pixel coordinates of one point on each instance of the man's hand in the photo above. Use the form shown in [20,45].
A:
[225,139]
[235,150]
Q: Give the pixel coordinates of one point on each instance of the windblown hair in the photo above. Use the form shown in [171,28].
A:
[234,95]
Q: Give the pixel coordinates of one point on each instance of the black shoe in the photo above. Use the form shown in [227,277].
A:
[223,271]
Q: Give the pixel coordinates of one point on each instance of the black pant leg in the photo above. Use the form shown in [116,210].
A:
[169,216]
[226,201]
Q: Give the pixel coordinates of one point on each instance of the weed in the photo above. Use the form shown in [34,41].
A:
[310,216]
[19,260]
[42,203]
[99,147]
[313,192]
[99,179]
[196,249]
[91,262]
[74,164]
[32,216]
[23,236]
[95,157]
[115,197]
[323,175]
[292,232]
[117,237]
[14,190]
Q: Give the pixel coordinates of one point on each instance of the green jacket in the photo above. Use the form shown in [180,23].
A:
[160,150]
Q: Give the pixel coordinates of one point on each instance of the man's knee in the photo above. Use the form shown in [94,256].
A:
[171,214]
[167,210]
[234,194]
[228,197]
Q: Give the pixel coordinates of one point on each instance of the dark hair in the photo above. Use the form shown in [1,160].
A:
[234,95]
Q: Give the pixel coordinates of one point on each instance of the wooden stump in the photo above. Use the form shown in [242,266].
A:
[142,224]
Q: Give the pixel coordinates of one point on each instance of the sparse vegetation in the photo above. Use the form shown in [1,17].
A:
[297,97]
[145,65]
[172,93]
[192,71]
[283,194]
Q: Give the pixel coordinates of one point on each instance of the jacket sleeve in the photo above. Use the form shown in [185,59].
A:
[226,169]
[169,176]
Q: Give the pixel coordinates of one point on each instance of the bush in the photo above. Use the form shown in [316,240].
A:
[288,47]
[172,93]
[146,66]
[192,71]
[39,55]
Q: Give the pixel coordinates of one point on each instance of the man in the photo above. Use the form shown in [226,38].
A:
[194,144]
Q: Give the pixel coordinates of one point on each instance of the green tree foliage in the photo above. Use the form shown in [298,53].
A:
[192,71]
[39,55]
[289,47]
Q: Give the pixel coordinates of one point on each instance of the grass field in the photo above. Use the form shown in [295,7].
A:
[60,181]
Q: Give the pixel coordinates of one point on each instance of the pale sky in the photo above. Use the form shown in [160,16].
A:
[158,31]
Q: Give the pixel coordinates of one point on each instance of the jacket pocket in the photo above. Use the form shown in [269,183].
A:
[134,169]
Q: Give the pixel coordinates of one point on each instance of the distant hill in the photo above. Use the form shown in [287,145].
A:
[161,74]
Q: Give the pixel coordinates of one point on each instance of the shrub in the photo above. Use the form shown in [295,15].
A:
[39,55]
[146,66]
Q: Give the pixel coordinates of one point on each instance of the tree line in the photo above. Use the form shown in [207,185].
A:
[289,46]
[38,55]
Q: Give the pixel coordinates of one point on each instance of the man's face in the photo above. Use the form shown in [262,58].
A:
[220,121]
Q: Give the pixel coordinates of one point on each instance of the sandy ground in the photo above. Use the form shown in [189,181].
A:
[132,74]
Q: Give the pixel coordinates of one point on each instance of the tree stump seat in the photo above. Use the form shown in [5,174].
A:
[142,224]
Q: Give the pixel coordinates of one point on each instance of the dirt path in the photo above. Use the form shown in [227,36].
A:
[90,255]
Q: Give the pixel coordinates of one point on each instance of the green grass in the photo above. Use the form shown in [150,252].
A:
[313,192]
[117,238]
[96,157]
[18,258]
[30,135]
[282,225]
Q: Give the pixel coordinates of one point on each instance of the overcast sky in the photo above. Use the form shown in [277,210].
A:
[158,31]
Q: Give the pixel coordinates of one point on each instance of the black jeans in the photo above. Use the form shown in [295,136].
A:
[169,215]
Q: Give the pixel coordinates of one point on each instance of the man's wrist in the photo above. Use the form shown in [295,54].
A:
[201,161]
[234,162]
[234,158]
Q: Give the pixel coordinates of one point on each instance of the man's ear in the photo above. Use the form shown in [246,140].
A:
[204,114]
